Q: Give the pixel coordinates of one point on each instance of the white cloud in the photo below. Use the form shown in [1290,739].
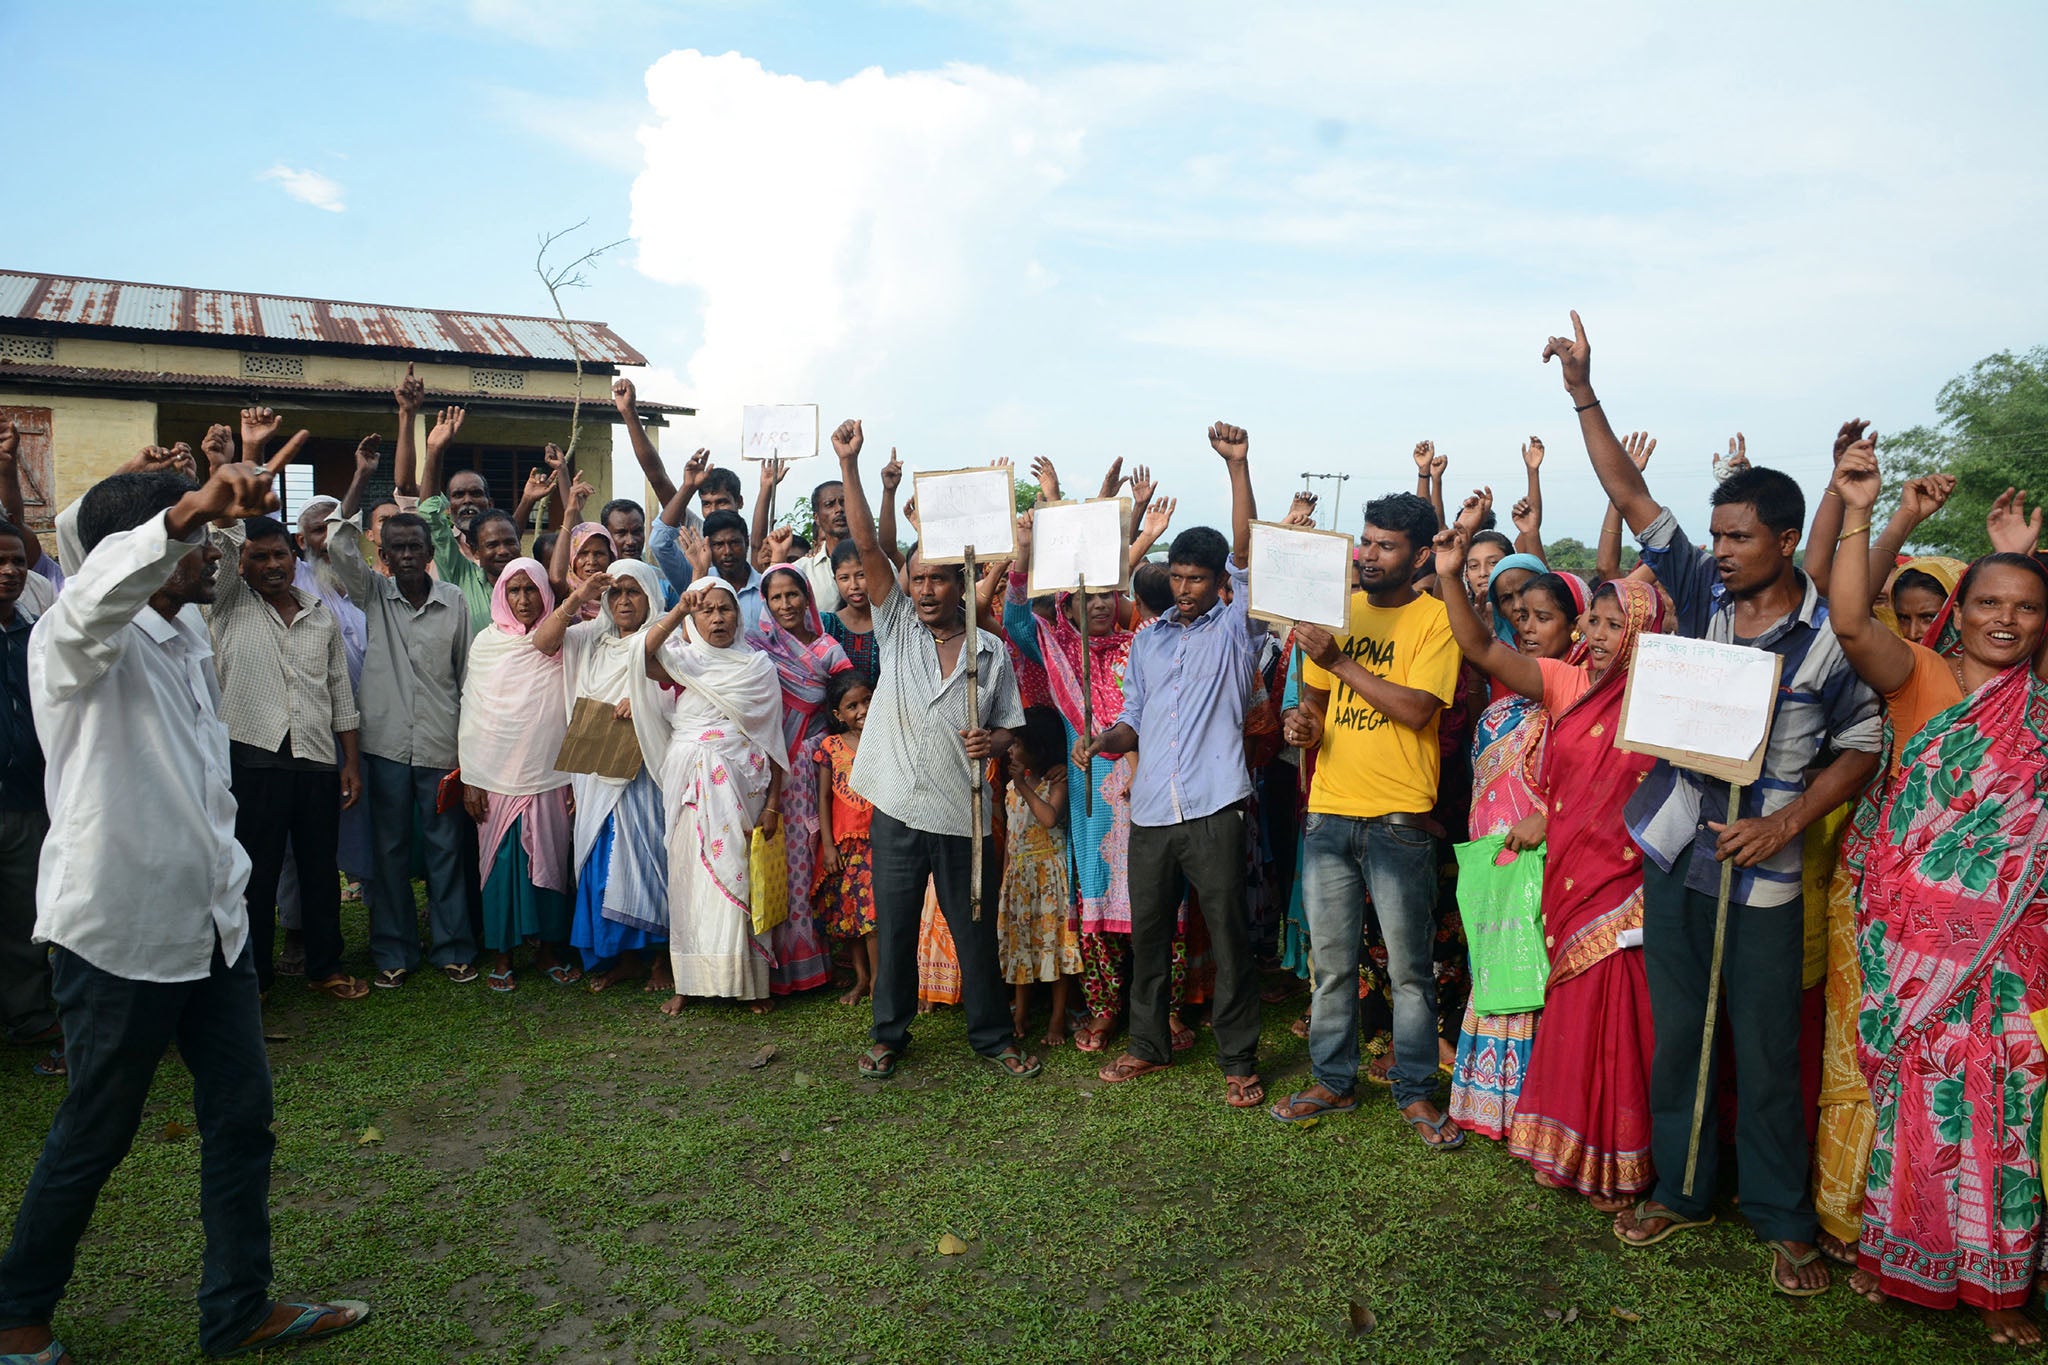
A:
[829,227]
[308,187]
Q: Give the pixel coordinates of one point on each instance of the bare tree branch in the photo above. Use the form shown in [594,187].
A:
[569,276]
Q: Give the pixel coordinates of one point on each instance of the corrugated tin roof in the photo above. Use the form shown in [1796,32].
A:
[66,301]
[597,402]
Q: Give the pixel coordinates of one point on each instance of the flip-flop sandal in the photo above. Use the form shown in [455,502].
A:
[53,1354]
[461,973]
[1243,1092]
[1128,1067]
[339,988]
[877,1064]
[562,974]
[301,1330]
[1346,1105]
[503,982]
[389,979]
[51,1064]
[1798,1263]
[1299,1028]
[1182,1036]
[1674,1222]
[1089,1038]
[1452,1144]
[1015,1063]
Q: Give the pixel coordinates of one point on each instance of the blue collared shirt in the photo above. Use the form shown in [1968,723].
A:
[1821,703]
[1186,690]
[665,544]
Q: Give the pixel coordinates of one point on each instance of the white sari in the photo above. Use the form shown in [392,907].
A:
[713,750]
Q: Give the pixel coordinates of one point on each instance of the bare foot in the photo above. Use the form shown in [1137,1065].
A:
[1018,1023]
[1610,1203]
[674,1005]
[605,980]
[762,1006]
[856,995]
[1835,1249]
[1866,1284]
[24,1340]
[2010,1327]
[662,979]
[1055,1033]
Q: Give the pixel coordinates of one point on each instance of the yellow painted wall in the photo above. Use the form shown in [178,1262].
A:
[89,437]
[155,357]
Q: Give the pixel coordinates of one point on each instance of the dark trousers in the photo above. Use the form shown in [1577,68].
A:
[398,792]
[904,859]
[115,1032]
[25,1005]
[1760,969]
[1209,854]
[273,806]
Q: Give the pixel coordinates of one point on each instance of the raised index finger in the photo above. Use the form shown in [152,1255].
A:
[1578,328]
[277,462]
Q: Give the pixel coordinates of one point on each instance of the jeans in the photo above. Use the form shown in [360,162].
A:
[1206,855]
[1760,969]
[279,810]
[904,858]
[26,1008]
[395,792]
[1344,858]
[115,1033]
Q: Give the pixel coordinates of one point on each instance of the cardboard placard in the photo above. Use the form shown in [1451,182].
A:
[958,508]
[599,743]
[1301,574]
[1076,542]
[1703,706]
[786,431]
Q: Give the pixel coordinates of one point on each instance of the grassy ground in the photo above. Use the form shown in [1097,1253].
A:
[567,1177]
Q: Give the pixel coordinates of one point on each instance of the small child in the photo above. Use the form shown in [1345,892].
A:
[845,894]
[1036,923]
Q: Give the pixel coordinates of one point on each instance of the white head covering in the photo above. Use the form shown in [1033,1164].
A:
[738,683]
[600,660]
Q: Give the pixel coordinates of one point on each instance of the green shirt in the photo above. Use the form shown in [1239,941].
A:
[454,566]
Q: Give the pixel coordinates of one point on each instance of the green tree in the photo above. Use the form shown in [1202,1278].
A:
[1993,435]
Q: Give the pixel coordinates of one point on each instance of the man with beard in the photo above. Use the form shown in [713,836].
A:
[287,702]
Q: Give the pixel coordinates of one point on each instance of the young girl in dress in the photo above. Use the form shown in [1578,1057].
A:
[845,897]
[1036,923]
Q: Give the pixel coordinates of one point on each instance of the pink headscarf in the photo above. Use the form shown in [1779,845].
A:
[585,531]
[501,609]
[803,669]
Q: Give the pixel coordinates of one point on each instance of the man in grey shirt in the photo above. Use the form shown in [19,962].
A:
[921,755]
[410,701]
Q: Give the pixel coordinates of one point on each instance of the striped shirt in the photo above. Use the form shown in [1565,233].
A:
[1822,704]
[280,680]
[911,765]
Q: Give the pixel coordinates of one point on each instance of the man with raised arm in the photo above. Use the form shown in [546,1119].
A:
[1187,687]
[921,756]
[149,936]
[1745,590]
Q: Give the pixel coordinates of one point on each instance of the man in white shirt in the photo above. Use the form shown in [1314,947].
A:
[150,937]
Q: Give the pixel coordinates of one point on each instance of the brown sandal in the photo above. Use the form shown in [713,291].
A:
[1243,1092]
[1128,1067]
[342,987]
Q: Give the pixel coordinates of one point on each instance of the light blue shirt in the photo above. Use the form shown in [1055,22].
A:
[666,545]
[1186,690]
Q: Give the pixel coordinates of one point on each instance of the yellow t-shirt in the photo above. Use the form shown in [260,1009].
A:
[1370,765]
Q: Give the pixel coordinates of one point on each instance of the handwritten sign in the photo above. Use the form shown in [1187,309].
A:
[787,431]
[1077,542]
[957,508]
[1701,705]
[1299,574]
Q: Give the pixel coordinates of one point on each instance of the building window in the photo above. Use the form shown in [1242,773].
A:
[497,379]
[262,365]
[27,348]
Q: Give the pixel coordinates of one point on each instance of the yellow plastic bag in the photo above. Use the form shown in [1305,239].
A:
[768,880]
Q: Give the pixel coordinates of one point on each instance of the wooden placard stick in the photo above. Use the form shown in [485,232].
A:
[1699,1096]
[972,644]
[1087,704]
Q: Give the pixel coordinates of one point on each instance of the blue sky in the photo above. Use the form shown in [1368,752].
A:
[1087,230]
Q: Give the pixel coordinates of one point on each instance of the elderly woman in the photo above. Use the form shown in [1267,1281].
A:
[708,713]
[510,732]
[621,908]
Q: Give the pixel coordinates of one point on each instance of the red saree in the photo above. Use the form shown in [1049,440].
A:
[1952,935]
[1583,1118]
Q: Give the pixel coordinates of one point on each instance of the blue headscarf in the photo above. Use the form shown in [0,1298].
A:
[1503,629]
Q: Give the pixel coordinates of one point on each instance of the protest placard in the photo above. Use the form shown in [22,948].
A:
[1702,705]
[599,742]
[1300,574]
[958,508]
[786,431]
[1073,543]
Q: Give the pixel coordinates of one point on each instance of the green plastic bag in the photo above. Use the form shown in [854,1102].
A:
[1502,909]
